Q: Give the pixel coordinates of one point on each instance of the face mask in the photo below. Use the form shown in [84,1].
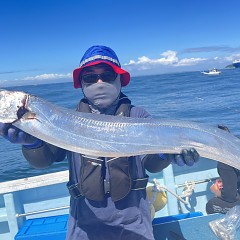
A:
[102,95]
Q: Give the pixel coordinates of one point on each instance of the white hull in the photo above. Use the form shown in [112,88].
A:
[211,73]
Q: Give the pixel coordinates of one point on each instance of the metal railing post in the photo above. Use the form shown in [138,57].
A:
[12,208]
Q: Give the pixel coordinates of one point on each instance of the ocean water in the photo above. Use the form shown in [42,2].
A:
[182,96]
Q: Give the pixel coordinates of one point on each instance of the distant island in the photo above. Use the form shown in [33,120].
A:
[230,66]
[235,64]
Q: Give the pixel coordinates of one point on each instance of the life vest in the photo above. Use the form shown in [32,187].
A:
[101,177]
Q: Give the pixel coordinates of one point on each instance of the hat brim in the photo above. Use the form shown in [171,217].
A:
[125,76]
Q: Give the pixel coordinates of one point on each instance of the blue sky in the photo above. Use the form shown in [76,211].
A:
[43,40]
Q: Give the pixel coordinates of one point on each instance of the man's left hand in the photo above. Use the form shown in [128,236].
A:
[187,157]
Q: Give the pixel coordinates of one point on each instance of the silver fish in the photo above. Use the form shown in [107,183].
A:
[111,136]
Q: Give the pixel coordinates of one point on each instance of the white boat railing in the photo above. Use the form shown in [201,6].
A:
[34,182]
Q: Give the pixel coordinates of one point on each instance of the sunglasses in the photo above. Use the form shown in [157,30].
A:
[93,78]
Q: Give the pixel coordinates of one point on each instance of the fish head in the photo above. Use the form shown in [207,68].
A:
[12,103]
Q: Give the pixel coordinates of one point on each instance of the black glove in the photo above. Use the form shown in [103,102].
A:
[15,135]
[187,157]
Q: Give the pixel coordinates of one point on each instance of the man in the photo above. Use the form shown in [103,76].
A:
[226,189]
[108,196]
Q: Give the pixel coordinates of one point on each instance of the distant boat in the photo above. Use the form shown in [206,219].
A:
[236,63]
[213,71]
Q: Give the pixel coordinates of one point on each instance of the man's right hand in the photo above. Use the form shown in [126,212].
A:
[15,135]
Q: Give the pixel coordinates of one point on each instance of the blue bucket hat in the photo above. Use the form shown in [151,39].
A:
[96,55]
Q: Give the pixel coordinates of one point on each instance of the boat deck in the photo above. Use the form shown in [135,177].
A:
[183,226]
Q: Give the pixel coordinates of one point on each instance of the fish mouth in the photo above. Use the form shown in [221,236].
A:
[23,109]
[12,104]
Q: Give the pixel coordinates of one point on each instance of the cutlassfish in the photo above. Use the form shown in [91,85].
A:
[115,136]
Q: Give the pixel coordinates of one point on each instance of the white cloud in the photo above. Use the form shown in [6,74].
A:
[48,76]
[172,61]
[232,57]
[190,61]
[169,59]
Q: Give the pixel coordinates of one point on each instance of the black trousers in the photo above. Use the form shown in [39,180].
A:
[218,205]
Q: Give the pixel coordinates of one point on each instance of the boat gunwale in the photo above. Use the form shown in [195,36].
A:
[34,182]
